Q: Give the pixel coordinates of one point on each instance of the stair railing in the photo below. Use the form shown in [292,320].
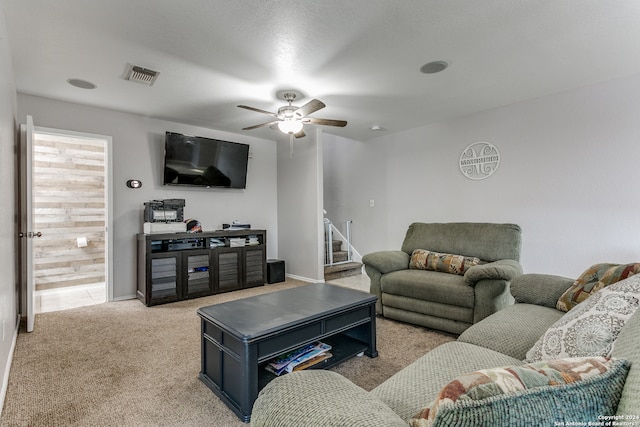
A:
[330,230]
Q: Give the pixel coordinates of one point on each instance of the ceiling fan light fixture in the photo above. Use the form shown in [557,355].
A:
[290,126]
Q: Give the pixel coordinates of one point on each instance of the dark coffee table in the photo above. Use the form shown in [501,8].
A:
[240,337]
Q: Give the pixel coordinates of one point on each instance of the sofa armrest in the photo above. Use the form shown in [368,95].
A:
[387,261]
[319,398]
[378,263]
[539,289]
[506,269]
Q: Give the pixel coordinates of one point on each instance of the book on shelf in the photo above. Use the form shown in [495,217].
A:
[308,355]
[313,361]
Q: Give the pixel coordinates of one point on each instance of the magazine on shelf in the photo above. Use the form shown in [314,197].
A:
[313,361]
[281,361]
[289,361]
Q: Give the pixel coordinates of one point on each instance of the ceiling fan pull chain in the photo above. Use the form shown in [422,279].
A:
[291,146]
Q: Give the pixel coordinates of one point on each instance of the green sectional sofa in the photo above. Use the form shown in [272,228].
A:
[441,293]
[325,398]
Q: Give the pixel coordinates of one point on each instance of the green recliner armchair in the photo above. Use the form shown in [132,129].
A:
[450,301]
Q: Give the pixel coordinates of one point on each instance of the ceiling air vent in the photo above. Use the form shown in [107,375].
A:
[141,75]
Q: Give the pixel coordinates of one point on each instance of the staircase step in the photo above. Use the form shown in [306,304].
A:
[337,245]
[346,269]
[340,256]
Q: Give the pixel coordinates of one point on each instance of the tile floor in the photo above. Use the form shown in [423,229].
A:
[360,282]
[70,297]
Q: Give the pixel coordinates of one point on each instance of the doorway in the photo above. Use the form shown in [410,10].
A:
[70,212]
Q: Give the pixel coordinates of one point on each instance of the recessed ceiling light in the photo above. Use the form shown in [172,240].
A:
[434,67]
[82,84]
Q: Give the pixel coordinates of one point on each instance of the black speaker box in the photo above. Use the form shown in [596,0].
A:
[275,271]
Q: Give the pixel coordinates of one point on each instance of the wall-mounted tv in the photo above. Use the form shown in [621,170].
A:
[204,162]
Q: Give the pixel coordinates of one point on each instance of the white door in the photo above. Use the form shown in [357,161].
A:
[58,201]
[28,233]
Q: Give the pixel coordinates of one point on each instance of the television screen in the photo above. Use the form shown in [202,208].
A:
[204,162]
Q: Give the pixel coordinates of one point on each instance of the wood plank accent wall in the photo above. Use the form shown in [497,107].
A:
[69,202]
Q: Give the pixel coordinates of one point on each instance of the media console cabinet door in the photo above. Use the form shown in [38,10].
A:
[255,262]
[164,278]
[228,269]
[197,273]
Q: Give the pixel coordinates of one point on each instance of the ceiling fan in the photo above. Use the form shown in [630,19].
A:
[291,119]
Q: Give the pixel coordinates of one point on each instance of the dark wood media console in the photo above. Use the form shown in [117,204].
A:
[178,266]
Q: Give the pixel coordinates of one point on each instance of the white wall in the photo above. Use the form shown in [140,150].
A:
[300,207]
[8,225]
[138,147]
[355,174]
[568,174]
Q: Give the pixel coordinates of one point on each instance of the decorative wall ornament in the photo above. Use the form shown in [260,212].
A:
[479,160]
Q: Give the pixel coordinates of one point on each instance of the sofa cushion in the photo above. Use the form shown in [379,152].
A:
[407,391]
[591,328]
[429,286]
[512,330]
[487,241]
[340,399]
[423,259]
[592,280]
[627,348]
[542,393]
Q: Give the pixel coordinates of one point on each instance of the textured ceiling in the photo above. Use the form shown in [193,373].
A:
[361,57]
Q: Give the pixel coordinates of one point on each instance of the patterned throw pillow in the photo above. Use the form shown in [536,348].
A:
[591,328]
[592,280]
[423,259]
[542,393]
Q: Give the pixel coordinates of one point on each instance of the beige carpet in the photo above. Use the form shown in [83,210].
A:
[124,364]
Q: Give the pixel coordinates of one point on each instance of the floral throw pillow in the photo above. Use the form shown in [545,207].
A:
[592,280]
[591,328]
[423,259]
[541,393]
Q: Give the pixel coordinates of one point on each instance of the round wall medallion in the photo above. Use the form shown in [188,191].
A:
[479,160]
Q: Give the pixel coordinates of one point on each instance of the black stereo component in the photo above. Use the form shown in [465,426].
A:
[181,244]
[176,244]
[275,271]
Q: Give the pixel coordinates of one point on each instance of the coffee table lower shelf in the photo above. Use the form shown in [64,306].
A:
[343,347]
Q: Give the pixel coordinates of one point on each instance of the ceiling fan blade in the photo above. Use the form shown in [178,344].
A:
[325,122]
[309,107]
[257,110]
[261,125]
[300,134]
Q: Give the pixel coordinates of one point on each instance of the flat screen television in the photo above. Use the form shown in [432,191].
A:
[204,162]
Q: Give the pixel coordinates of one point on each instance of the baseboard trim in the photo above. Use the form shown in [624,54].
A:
[7,368]
[123,298]
[303,279]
